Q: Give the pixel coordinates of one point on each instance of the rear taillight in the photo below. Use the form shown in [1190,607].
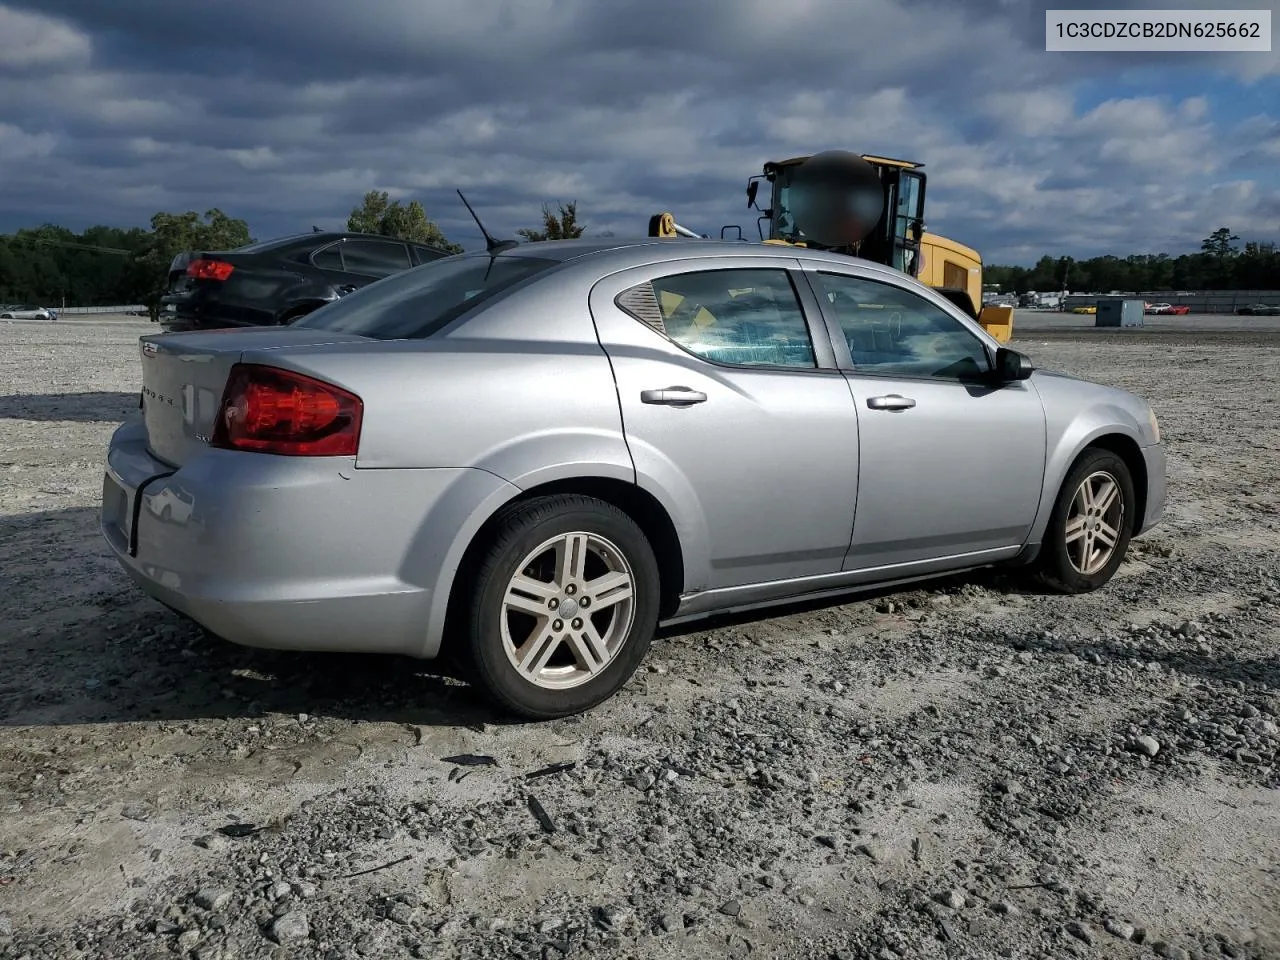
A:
[269,410]
[209,269]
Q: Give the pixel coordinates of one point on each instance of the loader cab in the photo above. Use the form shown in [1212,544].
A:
[895,241]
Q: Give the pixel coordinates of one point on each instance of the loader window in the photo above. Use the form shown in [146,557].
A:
[741,317]
[894,332]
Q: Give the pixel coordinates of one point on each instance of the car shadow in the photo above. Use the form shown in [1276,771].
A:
[98,406]
[82,645]
[1217,665]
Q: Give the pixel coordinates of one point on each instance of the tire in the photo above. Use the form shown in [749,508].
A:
[1062,564]
[293,315]
[528,539]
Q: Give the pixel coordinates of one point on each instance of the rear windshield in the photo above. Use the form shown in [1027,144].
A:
[259,246]
[418,302]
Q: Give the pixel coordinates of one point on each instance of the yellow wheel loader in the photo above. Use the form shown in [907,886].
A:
[865,206]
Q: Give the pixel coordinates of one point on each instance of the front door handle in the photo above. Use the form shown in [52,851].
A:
[890,402]
[673,396]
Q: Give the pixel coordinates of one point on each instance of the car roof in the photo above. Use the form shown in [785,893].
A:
[609,255]
[317,238]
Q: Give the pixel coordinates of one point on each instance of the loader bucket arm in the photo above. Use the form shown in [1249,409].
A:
[664,225]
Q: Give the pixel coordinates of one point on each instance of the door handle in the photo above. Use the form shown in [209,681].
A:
[892,401]
[673,396]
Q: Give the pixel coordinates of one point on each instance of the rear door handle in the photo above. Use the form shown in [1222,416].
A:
[673,396]
[892,401]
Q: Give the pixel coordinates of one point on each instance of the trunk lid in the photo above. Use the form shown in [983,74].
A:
[178,279]
[183,376]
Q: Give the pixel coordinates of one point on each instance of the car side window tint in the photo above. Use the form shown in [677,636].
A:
[375,258]
[892,331]
[328,258]
[426,254]
[741,316]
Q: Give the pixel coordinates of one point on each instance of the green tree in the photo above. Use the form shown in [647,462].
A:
[1045,275]
[49,265]
[556,226]
[379,214]
[1258,268]
[1218,243]
[52,266]
[174,233]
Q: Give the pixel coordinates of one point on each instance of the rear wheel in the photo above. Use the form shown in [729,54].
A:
[294,314]
[563,607]
[1091,524]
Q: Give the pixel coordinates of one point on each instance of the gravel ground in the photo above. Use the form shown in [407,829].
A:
[969,770]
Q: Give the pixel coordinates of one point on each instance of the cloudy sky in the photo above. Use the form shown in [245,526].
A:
[285,111]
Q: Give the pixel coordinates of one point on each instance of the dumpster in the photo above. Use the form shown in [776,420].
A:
[1119,312]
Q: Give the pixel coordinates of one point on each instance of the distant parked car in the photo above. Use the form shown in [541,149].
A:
[529,459]
[1260,310]
[1180,310]
[14,311]
[277,281]
[1157,307]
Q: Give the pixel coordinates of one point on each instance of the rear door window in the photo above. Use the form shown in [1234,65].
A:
[328,258]
[745,317]
[375,258]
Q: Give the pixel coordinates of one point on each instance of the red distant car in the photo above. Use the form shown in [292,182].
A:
[1180,309]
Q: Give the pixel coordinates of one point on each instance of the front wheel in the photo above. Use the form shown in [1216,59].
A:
[1091,524]
[563,607]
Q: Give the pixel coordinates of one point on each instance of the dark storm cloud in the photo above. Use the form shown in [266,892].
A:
[286,112]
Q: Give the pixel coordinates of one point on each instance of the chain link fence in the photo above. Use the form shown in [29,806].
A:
[89,311]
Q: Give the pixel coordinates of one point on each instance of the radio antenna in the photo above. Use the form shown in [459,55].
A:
[490,244]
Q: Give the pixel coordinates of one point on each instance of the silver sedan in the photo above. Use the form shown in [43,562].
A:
[14,311]
[528,460]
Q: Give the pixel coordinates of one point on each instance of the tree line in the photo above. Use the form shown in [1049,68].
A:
[1221,264]
[53,266]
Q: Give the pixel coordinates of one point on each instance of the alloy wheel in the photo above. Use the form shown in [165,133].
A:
[1094,523]
[568,610]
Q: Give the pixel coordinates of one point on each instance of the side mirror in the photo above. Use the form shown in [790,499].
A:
[752,188]
[1012,365]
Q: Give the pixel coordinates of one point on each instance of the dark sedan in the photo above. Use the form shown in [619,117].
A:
[276,281]
[1260,310]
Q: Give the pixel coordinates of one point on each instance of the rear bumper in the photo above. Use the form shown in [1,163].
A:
[1157,486]
[293,553]
[180,312]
